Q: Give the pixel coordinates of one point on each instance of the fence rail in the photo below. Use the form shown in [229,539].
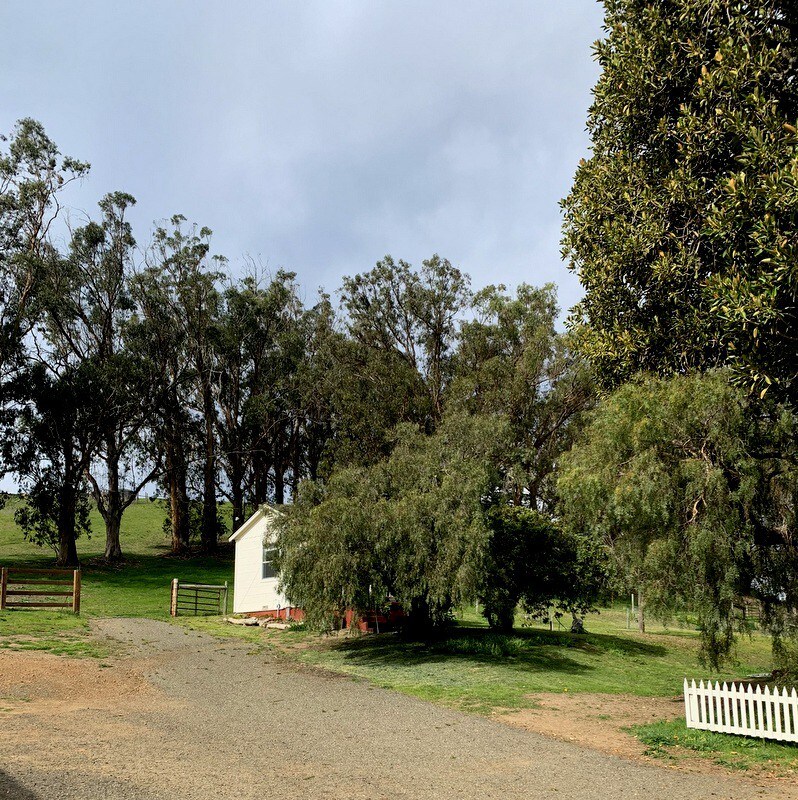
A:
[65,591]
[197,599]
[742,709]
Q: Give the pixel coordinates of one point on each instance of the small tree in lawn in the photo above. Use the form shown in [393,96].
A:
[530,559]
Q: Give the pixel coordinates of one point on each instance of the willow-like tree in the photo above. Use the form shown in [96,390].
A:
[411,526]
[691,487]
[682,224]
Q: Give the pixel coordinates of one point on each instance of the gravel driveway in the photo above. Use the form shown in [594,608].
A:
[185,715]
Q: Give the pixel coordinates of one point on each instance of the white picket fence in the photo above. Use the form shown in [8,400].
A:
[742,709]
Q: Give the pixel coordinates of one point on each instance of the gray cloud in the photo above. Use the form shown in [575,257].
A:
[320,136]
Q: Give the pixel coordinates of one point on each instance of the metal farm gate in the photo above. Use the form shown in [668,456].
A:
[195,599]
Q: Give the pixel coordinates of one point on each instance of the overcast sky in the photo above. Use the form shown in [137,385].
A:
[319,136]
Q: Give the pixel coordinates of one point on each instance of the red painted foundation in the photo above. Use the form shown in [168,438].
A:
[288,614]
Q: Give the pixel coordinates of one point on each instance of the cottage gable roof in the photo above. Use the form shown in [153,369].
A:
[262,514]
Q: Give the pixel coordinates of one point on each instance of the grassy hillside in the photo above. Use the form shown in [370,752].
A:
[138,587]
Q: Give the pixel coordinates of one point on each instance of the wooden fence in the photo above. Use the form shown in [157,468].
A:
[742,709]
[40,588]
[198,598]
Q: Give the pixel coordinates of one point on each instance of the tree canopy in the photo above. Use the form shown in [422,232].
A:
[690,487]
[681,224]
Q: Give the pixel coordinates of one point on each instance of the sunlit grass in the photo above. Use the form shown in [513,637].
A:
[674,740]
[139,587]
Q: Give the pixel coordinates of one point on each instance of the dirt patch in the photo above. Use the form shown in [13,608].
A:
[600,722]
[34,682]
[595,720]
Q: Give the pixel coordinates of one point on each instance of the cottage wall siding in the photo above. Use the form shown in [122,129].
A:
[251,591]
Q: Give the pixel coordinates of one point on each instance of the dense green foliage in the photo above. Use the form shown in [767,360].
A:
[690,487]
[493,402]
[410,526]
[681,224]
[512,363]
[528,558]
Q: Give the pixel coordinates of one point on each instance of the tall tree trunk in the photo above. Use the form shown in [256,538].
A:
[237,492]
[113,526]
[210,527]
[112,512]
[176,482]
[261,465]
[279,485]
[67,548]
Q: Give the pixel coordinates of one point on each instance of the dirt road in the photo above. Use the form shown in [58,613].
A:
[182,716]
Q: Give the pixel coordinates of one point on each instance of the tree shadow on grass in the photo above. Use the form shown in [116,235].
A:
[13,790]
[521,650]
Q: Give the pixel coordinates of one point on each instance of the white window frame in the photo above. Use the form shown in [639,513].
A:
[267,571]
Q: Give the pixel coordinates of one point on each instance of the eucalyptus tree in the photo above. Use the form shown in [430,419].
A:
[681,225]
[274,408]
[157,338]
[512,363]
[58,430]
[238,334]
[318,373]
[410,316]
[180,304]
[33,174]
[86,307]
[259,346]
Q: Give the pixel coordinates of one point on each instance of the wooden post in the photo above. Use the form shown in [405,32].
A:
[76,591]
[641,614]
[173,607]
[225,598]
[3,583]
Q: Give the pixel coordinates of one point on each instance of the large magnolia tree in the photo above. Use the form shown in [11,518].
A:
[682,224]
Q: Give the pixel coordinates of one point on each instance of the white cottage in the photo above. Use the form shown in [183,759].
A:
[255,590]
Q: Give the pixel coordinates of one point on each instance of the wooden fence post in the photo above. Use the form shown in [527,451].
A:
[3,583]
[173,608]
[76,591]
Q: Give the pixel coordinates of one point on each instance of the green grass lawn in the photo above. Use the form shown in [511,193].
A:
[138,587]
[674,740]
[476,669]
